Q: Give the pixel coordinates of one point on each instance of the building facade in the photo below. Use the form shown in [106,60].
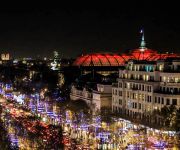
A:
[96,99]
[145,86]
[5,56]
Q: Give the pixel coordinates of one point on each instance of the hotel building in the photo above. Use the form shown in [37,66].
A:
[145,85]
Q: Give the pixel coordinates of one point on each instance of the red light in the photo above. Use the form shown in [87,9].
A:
[107,59]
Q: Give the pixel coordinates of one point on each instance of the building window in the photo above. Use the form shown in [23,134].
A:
[161,89]
[174,101]
[139,106]
[120,93]
[125,86]
[164,79]
[160,67]
[149,98]
[149,88]
[135,105]
[175,90]
[164,89]
[134,67]
[140,77]
[147,77]
[120,84]
[162,100]
[128,86]
[136,85]
[142,87]
[133,96]
[155,100]
[167,101]
[120,101]
[143,97]
[136,96]
[128,94]
[159,100]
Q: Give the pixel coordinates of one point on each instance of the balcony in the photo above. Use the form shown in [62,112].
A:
[171,70]
[139,80]
[166,92]
[170,84]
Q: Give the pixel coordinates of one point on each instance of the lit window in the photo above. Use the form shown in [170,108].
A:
[136,96]
[128,85]
[143,97]
[138,68]
[160,67]
[144,77]
[164,79]
[147,77]
[177,80]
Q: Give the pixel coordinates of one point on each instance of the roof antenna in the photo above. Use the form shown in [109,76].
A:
[143,43]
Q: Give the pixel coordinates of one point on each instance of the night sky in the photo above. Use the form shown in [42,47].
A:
[72,31]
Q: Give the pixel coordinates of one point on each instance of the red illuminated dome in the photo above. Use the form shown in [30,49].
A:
[99,59]
[107,59]
[144,54]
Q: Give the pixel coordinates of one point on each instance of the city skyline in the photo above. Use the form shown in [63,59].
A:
[38,32]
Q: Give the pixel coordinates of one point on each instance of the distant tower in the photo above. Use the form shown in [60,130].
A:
[56,64]
[143,43]
[56,56]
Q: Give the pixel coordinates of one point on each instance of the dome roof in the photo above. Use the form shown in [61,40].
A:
[107,59]
[143,54]
[150,55]
[100,59]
